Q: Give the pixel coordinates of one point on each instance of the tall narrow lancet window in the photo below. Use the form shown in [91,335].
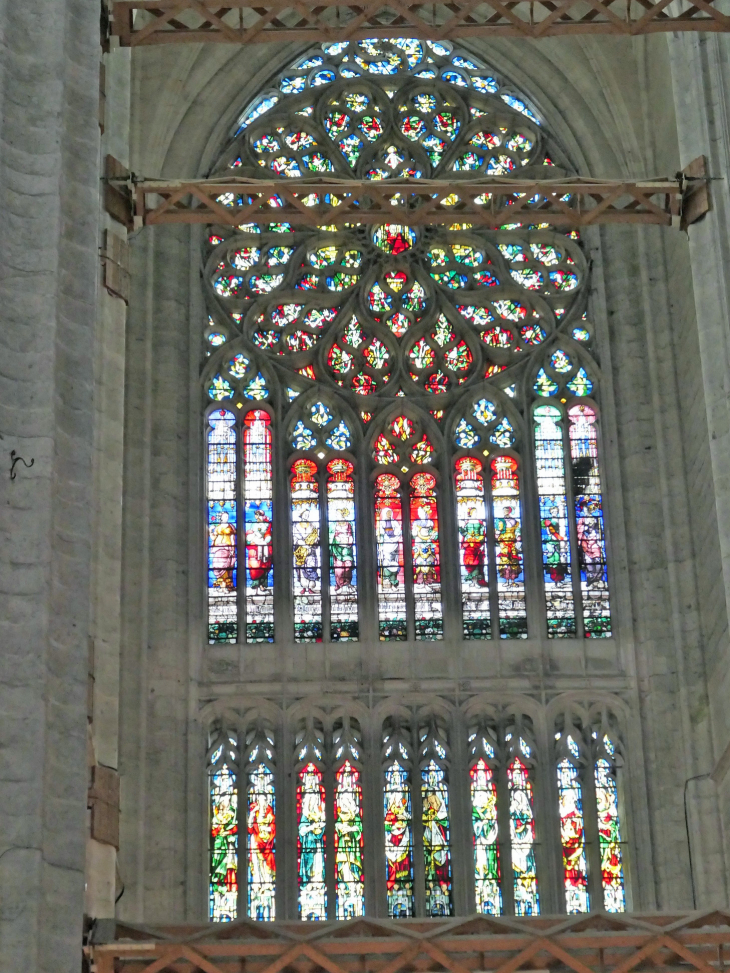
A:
[306,552]
[609,824]
[390,561]
[223,827]
[261,825]
[258,508]
[589,528]
[485,826]
[342,550]
[507,512]
[471,514]
[348,821]
[222,528]
[397,757]
[311,817]
[570,765]
[554,525]
[435,818]
[426,553]
[522,823]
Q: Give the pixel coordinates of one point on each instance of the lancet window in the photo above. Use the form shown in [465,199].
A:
[317,335]
[223,826]
[329,808]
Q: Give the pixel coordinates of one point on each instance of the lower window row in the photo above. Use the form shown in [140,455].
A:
[416,823]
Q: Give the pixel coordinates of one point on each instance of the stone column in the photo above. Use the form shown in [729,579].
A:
[49,198]
[701,81]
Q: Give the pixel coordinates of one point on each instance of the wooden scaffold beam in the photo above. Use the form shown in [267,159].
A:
[568,202]
[138,22]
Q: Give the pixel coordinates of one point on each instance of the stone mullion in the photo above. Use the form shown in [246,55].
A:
[531,535]
[372,810]
[286,819]
[408,560]
[328,779]
[419,871]
[324,553]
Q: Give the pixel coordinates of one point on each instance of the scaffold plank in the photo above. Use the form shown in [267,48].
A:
[138,22]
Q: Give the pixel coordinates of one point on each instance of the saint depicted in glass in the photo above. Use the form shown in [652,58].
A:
[572,832]
[311,817]
[257,499]
[342,551]
[522,834]
[436,839]
[609,831]
[589,530]
[426,555]
[487,875]
[391,574]
[471,514]
[508,540]
[261,844]
[307,557]
[223,842]
[555,536]
[398,841]
[349,878]
[222,525]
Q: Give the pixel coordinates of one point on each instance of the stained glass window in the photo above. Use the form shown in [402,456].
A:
[589,528]
[223,797]
[572,829]
[471,513]
[436,839]
[390,562]
[349,877]
[424,525]
[398,819]
[522,834]
[554,528]
[222,527]
[487,872]
[609,829]
[508,539]
[257,498]
[311,818]
[307,555]
[342,550]
[261,828]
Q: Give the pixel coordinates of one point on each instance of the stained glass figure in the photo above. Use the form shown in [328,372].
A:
[222,528]
[426,554]
[307,555]
[342,551]
[261,843]
[348,838]
[522,834]
[550,463]
[311,818]
[391,573]
[572,831]
[609,831]
[508,540]
[589,527]
[436,849]
[487,872]
[398,840]
[223,890]
[258,511]
[471,516]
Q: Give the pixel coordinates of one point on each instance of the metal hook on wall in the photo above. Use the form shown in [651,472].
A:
[14,459]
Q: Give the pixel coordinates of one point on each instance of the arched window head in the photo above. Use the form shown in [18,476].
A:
[222,527]
[223,767]
[397,762]
[260,771]
[258,505]
[570,756]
